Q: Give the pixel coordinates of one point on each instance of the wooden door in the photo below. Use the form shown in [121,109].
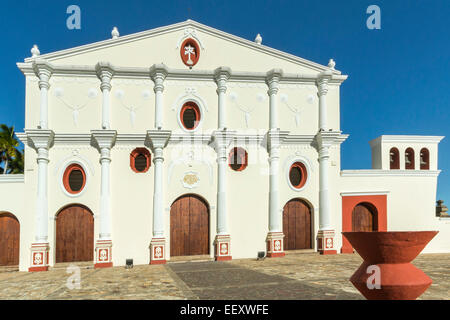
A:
[363,218]
[297,225]
[189,226]
[9,240]
[75,234]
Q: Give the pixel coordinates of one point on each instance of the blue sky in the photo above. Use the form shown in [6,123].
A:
[398,76]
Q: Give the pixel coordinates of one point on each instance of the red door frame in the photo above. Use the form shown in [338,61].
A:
[350,202]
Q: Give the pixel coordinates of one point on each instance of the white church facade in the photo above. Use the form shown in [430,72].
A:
[185,140]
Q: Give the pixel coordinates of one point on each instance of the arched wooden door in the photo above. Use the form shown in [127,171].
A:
[297,225]
[189,226]
[74,234]
[364,218]
[9,239]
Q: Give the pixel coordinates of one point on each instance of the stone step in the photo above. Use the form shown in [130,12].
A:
[198,258]
[81,265]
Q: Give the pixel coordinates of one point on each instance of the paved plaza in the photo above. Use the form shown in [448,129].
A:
[296,276]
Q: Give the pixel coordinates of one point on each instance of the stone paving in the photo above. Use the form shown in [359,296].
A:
[296,276]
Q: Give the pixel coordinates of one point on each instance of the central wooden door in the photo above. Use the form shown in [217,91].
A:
[9,240]
[364,218]
[74,234]
[297,225]
[189,226]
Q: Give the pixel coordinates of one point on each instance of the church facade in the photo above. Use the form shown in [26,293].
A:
[188,141]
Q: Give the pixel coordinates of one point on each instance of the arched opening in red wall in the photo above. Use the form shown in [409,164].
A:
[376,203]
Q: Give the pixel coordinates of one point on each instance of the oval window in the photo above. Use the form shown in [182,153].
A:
[74,178]
[140,160]
[298,175]
[190,115]
[190,52]
[238,159]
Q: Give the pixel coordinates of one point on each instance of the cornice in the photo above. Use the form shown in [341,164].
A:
[390,173]
[405,139]
[12,178]
[178,74]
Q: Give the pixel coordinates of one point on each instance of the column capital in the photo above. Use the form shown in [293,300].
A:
[157,139]
[275,137]
[101,139]
[221,139]
[158,73]
[221,76]
[43,70]
[105,72]
[40,138]
[273,78]
[322,82]
[325,139]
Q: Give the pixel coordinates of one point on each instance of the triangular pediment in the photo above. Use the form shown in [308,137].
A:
[162,45]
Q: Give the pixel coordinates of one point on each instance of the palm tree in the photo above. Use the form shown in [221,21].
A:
[8,145]
[16,165]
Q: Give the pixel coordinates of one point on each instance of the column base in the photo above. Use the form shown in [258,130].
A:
[39,257]
[222,247]
[103,254]
[158,251]
[275,245]
[325,242]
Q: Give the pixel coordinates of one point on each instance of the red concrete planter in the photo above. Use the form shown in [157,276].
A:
[392,253]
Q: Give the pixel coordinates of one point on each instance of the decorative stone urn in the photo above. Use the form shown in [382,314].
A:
[387,272]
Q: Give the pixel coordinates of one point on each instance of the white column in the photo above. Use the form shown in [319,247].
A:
[324,200]
[322,86]
[104,140]
[105,73]
[158,212]
[274,158]
[105,213]
[221,76]
[324,139]
[41,231]
[221,139]
[41,140]
[272,80]
[157,141]
[43,71]
[158,73]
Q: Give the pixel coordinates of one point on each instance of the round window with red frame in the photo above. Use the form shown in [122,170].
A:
[74,178]
[190,52]
[298,175]
[190,115]
[238,159]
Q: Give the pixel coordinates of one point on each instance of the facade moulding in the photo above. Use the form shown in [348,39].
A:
[176,74]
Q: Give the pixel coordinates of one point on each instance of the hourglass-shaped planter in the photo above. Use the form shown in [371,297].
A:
[390,254]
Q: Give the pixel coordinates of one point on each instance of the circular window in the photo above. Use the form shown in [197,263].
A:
[140,160]
[190,115]
[298,175]
[238,159]
[190,52]
[74,178]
